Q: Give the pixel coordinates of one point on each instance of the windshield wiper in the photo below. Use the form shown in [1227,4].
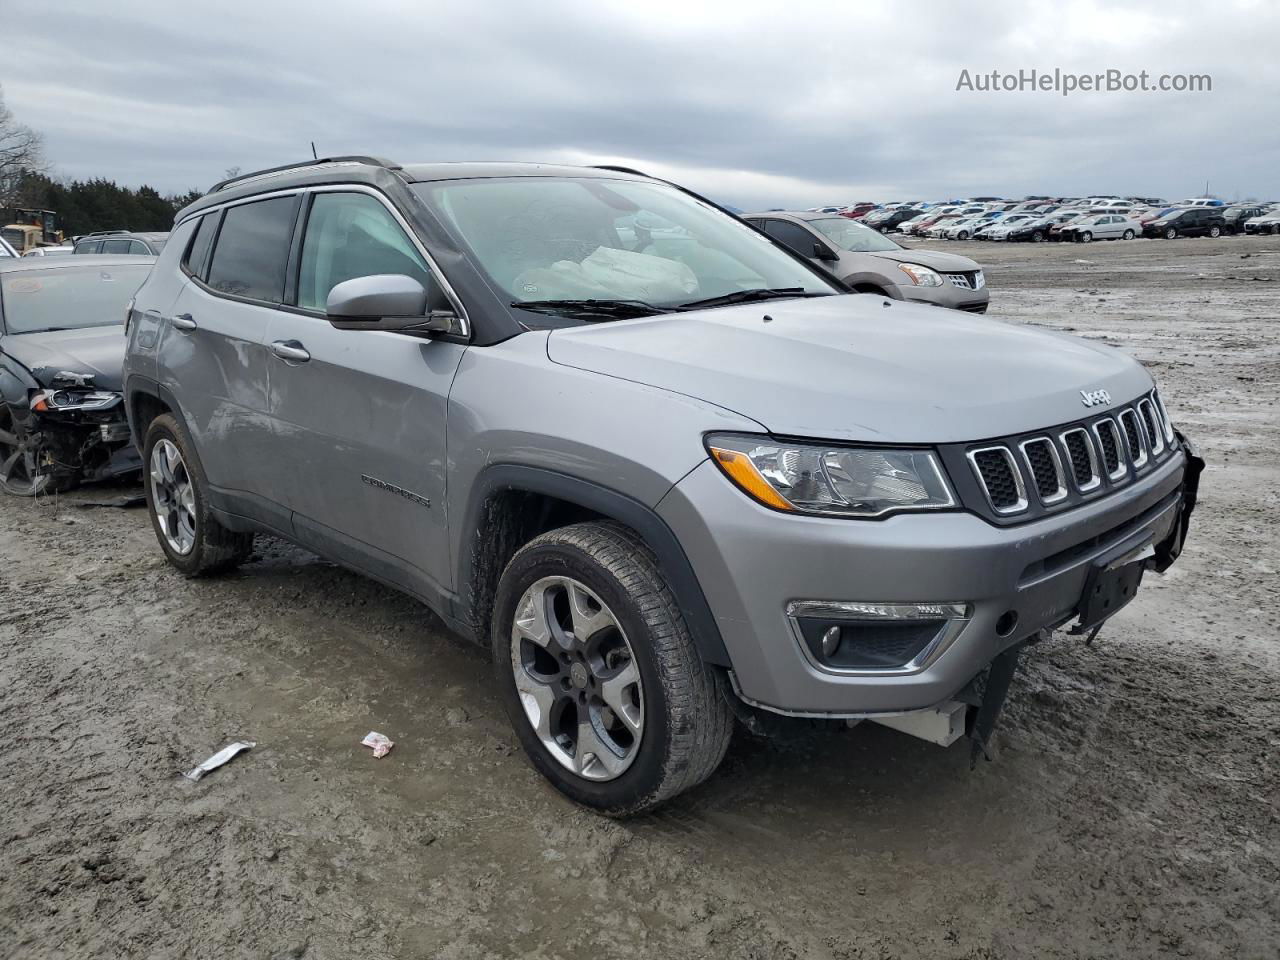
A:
[612,309]
[748,296]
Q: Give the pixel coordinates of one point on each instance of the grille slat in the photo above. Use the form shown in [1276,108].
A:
[1133,436]
[1045,470]
[1155,432]
[1084,467]
[1000,478]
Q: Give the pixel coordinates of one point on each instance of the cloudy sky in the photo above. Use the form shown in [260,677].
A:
[754,103]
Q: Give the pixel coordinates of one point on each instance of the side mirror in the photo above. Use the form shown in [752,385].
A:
[822,252]
[385,301]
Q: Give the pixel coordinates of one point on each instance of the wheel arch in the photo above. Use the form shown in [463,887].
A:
[144,401]
[510,504]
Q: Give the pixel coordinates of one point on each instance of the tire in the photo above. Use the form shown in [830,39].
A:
[962,235]
[1037,236]
[1170,233]
[1215,232]
[15,474]
[1128,235]
[677,709]
[192,539]
[1085,237]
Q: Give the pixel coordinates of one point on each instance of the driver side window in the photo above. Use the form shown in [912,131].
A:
[352,235]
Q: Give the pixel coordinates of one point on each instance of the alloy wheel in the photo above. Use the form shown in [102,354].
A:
[173,497]
[15,459]
[577,678]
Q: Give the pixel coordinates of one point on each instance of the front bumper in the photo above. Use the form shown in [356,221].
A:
[947,295]
[752,562]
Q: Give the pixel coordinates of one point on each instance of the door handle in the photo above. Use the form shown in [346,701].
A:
[184,321]
[290,350]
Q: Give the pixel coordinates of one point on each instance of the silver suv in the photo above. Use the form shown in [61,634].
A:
[673,474]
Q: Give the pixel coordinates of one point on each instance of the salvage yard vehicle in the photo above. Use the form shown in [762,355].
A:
[1268,222]
[1103,226]
[671,480]
[121,241]
[5,249]
[868,262]
[62,417]
[1235,217]
[1199,221]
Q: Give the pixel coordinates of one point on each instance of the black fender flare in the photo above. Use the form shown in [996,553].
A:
[610,503]
[136,385]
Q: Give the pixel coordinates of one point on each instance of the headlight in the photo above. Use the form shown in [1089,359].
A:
[832,481]
[921,275]
[47,400]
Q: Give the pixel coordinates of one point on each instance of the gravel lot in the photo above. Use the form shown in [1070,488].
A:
[1133,811]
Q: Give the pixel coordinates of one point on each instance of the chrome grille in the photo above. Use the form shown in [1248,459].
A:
[1078,460]
[1046,469]
[959,280]
[1081,457]
[1001,479]
[1136,450]
[1155,433]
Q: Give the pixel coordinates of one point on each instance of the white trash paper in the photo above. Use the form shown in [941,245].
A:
[381,744]
[219,758]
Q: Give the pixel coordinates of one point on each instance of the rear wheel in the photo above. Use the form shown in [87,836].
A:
[1215,232]
[1170,233]
[1037,236]
[599,675]
[177,498]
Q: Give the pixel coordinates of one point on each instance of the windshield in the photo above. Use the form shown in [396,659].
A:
[850,235]
[68,298]
[561,238]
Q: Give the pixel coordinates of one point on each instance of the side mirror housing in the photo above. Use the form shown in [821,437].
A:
[385,301]
[822,252]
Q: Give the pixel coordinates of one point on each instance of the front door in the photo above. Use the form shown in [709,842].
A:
[359,415]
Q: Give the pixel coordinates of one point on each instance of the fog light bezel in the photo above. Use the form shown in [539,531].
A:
[952,617]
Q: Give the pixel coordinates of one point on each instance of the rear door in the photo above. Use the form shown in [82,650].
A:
[213,352]
[359,415]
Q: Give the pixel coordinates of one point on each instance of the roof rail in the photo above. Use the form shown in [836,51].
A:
[354,158]
[617,169]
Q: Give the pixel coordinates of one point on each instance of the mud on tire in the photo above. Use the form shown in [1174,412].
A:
[214,548]
[687,723]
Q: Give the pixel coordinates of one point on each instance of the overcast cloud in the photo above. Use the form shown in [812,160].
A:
[753,103]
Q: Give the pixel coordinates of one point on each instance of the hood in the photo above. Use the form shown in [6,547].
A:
[858,367]
[944,262]
[96,350]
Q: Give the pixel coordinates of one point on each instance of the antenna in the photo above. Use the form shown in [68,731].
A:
[314,155]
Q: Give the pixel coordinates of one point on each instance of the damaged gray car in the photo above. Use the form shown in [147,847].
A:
[61,351]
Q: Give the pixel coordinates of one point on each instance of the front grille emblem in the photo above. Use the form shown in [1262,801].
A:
[1092,398]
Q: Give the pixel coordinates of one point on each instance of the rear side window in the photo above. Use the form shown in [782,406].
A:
[352,235]
[252,249]
[89,246]
[115,246]
[138,249]
[198,252]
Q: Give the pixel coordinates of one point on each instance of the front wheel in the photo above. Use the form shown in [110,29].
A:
[1086,237]
[1170,233]
[177,498]
[1215,232]
[1037,236]
[1128,234]
[599,674]
[19,473]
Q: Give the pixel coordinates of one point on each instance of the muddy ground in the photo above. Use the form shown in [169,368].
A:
[1134,809]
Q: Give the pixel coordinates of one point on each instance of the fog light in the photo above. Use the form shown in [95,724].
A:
[831,641]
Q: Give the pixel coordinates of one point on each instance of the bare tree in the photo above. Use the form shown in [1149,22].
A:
[20,151]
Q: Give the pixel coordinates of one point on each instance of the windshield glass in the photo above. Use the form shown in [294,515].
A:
[553,238]
[68,298]
[851,235]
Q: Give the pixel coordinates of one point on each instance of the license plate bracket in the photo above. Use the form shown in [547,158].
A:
[1113,581]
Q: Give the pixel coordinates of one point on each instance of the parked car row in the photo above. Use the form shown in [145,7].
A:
[760,495]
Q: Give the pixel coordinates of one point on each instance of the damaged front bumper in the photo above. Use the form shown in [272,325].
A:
[76,432]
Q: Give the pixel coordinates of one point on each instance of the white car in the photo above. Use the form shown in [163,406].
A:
[1268,222]
[6,250]
[1001,228]
[58,251]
